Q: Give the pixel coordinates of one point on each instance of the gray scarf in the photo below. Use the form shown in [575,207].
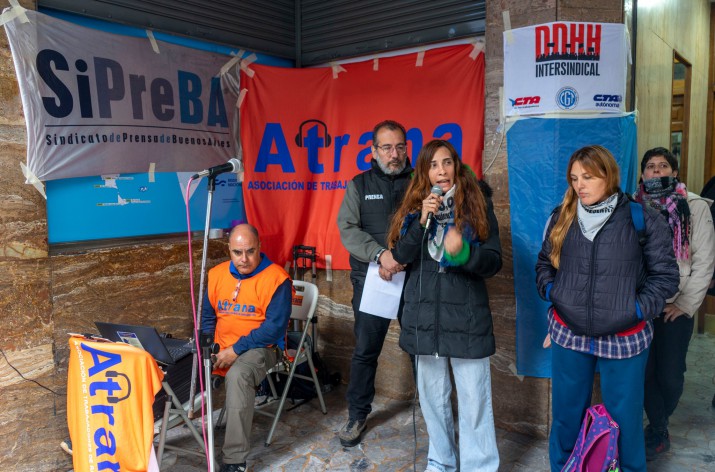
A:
[591,218]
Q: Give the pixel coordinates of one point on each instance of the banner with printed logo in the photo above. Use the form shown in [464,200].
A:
[100,103]
[307,132]
[110,393]
[564,67]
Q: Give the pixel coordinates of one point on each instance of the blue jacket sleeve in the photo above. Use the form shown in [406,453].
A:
[208,316]
[273,329]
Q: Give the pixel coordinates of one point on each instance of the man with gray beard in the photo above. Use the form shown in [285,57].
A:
[370,200]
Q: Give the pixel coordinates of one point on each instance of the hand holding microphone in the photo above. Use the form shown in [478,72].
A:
[430,205]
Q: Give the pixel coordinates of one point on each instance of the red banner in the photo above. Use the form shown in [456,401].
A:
[307,132]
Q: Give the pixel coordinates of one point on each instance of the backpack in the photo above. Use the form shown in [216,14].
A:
[638,221]
[596,448]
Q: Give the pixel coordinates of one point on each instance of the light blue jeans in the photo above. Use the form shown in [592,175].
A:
[477,439]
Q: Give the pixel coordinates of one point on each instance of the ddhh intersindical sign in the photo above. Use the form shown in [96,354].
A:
[565,67]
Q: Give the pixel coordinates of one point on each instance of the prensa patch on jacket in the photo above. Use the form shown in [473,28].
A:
[377,196]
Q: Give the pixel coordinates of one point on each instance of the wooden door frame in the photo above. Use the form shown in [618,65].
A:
[709,164]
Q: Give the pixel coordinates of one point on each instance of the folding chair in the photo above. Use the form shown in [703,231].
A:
[176,413]
[304,303]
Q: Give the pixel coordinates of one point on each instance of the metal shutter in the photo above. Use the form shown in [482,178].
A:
[308,31]
[261,26]
[334,29]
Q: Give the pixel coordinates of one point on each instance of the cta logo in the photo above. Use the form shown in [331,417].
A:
[607,101]
[568,42]
[525,102]
[567,98]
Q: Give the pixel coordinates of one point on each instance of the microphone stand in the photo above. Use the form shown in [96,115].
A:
[194,369]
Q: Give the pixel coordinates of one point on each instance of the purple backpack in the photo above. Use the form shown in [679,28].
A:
[596,448]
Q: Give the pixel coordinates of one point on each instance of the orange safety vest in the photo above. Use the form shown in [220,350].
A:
[236,317]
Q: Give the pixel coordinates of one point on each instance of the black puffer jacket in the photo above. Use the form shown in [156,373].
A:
[607,286]
[447,313]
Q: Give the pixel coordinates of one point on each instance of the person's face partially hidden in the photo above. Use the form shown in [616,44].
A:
[590,188]
[390,151]
[658,166]
[441,171]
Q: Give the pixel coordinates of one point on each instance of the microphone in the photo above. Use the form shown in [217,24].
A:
[233,165]
[437,190]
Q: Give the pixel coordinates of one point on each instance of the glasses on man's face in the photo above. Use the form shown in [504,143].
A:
[388,148]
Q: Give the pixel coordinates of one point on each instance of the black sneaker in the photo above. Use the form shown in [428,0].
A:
[233,468]
[66,446]
[658,444]
[351,434]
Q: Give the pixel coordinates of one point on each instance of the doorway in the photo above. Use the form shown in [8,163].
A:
[679,114]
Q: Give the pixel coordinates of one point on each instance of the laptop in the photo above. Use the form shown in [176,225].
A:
[165,350]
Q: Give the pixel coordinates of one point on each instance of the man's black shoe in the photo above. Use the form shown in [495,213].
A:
[659,444]
[233,467]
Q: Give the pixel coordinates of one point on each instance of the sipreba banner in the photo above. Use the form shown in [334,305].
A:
[100,103]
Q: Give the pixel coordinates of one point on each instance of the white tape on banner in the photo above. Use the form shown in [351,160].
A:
[241,96]
[507,26]
[247,62]
[232,62]
[16,11]
[376,64]
[152,40]
[152,168]
[328,267]
[478,48]
[31,179]
[337,68]
[420,58]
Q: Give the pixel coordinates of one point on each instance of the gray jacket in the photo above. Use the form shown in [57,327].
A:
[697,271]
[364,217]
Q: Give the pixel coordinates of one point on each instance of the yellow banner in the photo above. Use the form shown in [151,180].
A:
[110,392]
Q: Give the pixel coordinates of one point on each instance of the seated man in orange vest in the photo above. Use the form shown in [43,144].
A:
[246,308]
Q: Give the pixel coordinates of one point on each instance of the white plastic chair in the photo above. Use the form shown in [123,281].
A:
[304,304]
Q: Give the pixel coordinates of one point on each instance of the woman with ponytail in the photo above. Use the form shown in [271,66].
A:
[693,243]
[606,284]
[446,232]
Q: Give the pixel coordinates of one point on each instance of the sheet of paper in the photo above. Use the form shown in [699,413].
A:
[379,297]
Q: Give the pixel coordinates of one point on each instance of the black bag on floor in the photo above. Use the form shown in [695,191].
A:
[301,389]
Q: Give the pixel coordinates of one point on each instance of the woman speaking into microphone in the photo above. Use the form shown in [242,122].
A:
[446,320]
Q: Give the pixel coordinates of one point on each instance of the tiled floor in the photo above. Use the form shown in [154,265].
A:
[306,441]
